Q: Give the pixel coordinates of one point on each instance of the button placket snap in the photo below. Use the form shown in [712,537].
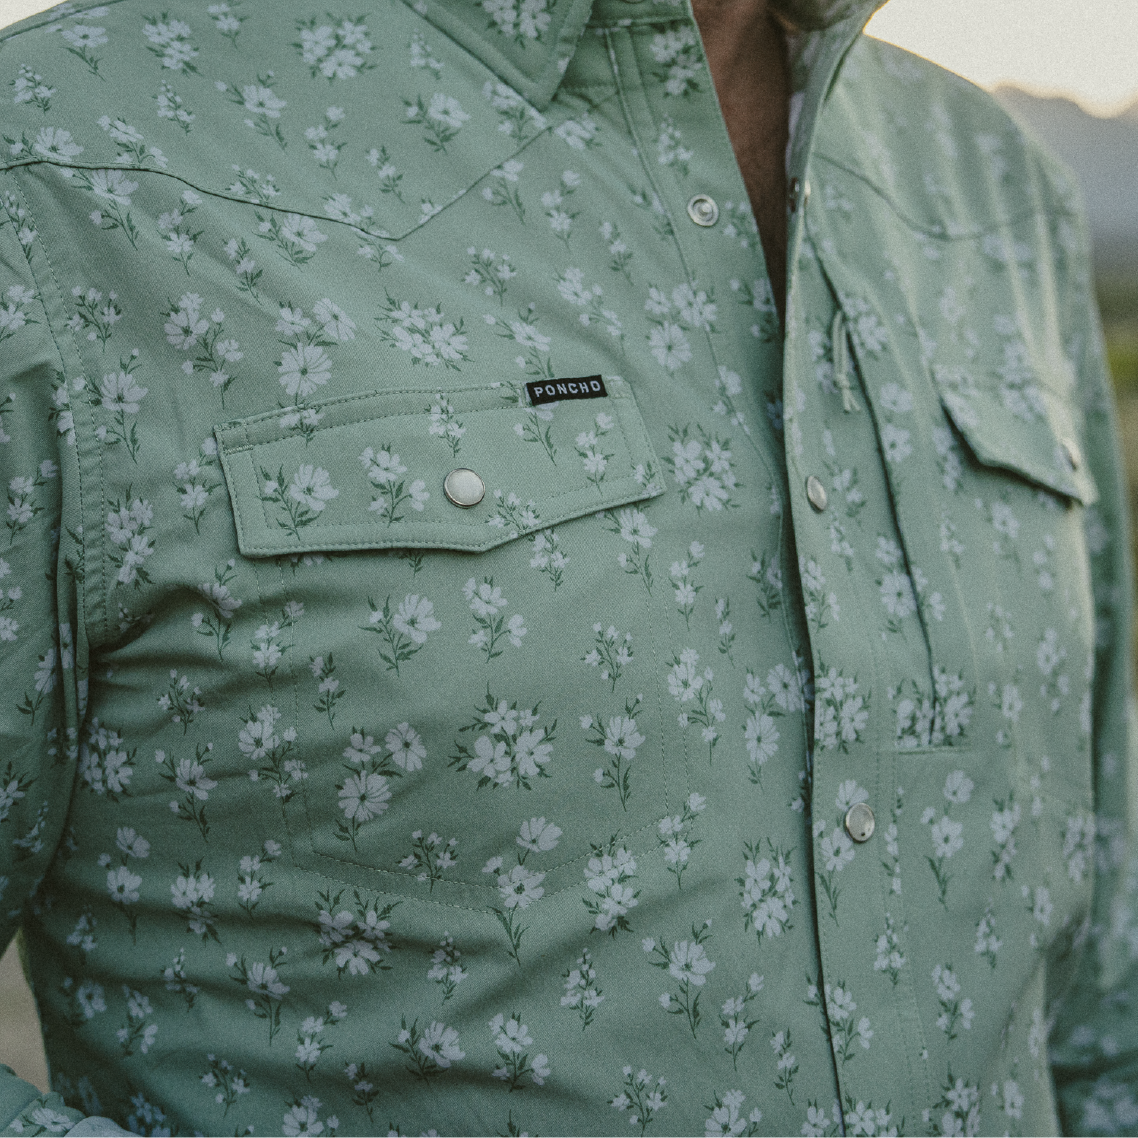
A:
[703,210]
[816,493]
[860,822]
[1073,453]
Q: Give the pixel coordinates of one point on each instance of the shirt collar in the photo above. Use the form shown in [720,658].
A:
[528,43]
[815,15]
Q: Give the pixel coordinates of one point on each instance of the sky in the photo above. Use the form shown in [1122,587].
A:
[1084,49]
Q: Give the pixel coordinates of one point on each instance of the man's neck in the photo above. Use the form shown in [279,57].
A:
[746,50]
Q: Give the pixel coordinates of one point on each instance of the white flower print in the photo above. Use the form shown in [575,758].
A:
[520,887]
[958,787]
[384,469]
[946,838]
[670,346]
[430,857]
[890,958]
[619,739]
[57,145]
[296,238]
[425,334]
[170,41]
[611,652]
[364,797]
[358,941]
[848,1032]
[761,736]
[609,874]
[643,1095]
[956,1013]
[678,52]
[335,52]
[946,833]
[841,713]
[692,687]
[727,1116]
[403,631]
[80,39]
[895,443]
[688,964]
[123,886]
[261,743]
[491,628]
[431,1050]
[581,989]
[441,118]
[1078,845]
[135,152]
[338,325]
[312,488]
[511,749]
[766,890]
[511,1039]
[30,87]
[406,748]
[527,20]
[445,970]
[127,526]
[14,313]
[579,133]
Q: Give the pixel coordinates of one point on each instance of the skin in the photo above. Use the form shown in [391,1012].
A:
[746,51]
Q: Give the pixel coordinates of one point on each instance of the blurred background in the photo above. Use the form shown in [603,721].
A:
[1068,70]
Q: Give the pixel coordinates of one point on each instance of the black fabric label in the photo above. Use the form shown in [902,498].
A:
[553,390]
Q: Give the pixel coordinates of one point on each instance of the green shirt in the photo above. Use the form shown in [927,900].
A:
[725,753]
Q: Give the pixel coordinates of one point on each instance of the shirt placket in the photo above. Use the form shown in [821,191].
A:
[868,649]
[836,561]
[683,143]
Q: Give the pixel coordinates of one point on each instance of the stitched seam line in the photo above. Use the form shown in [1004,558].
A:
[268,416]
[81,591]
[939,234]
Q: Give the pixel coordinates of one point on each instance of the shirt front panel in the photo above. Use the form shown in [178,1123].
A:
[964,564]
[479,822]
[410,817]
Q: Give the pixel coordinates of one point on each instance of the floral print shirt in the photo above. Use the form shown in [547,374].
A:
[468,668]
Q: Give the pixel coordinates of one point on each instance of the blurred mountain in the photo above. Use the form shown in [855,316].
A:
[1103,152]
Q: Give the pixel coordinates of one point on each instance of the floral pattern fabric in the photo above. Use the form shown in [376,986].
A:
[336,800]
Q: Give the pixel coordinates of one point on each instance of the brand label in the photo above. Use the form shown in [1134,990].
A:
[553,390]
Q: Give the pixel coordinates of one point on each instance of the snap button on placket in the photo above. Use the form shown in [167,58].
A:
[860,822]
[816,493]
[703,210]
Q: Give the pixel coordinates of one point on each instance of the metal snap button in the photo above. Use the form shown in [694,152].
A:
[463,488]
[816,493]
[860,822]
[1073,453]
[703,210]
[792,194]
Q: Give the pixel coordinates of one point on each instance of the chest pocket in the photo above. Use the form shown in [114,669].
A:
[428,561]
[1022,427]
[371,471]
[1026,479]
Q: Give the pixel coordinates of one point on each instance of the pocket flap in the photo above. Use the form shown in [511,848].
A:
[367,471]
[1024,428]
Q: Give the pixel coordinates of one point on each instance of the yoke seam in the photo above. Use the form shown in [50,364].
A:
[938,234]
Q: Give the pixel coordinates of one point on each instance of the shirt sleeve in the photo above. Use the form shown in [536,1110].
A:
[1094,1044]
[42,646]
